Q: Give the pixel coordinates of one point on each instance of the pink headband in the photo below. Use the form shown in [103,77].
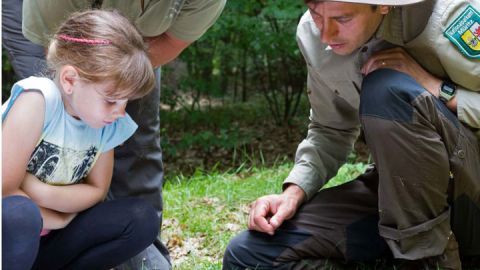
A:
[85,40]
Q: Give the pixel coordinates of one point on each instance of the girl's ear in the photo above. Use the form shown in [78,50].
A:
[384,9]
[68,77]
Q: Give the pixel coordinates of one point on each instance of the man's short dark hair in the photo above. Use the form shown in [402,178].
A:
[374,7]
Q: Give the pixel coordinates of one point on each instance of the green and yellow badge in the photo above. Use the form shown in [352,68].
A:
[464,32]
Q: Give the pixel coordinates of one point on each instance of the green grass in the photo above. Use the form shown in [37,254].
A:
[204,211]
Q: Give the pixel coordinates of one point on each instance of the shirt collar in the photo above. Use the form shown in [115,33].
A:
[391,27]
[403,24]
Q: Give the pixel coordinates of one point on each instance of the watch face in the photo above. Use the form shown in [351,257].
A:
[448,89]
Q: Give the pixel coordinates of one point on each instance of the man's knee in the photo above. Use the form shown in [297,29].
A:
[249,250]
[234,252]
[388,94]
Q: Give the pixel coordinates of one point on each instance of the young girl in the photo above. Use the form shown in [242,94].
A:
[57,151]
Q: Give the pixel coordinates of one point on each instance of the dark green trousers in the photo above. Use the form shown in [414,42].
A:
[425,184]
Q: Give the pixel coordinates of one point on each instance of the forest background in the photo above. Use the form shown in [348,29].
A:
[233,110]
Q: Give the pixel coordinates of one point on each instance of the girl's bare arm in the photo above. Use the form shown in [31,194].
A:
[53,220]
[21,131]
[73,198]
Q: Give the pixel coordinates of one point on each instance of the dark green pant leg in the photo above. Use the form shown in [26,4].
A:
[415,142]
[337,225]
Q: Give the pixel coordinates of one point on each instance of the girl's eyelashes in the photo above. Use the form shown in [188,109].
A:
[110,102]
[115,101]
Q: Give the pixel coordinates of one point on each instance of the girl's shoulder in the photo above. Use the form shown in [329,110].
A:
[45,86]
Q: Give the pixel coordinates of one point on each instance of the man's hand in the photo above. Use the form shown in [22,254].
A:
[398,59]
[268,212]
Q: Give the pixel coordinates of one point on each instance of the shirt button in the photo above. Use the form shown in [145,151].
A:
[461,154]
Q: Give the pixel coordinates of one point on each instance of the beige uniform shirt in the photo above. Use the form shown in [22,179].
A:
[186,20]
[334,81]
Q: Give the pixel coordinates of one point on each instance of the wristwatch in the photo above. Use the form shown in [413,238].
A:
[447,91]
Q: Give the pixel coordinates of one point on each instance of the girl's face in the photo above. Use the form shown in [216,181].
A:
[88,101]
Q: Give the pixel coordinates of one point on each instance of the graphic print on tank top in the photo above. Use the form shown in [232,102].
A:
[60,166]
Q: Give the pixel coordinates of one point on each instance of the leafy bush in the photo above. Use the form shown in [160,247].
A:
[228,136]
[8,76]
[250,50]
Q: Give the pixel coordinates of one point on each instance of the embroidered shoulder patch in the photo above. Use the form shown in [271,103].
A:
[464,32]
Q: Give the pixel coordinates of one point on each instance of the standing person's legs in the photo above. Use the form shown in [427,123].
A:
[337,223]
[26,58]
[415,142]
[100,237]
[21,226]
[138,171]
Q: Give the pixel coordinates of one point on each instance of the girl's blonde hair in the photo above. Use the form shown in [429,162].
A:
[104,45]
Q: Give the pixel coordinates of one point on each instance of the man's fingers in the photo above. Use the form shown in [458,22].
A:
[375,63]
[381,59]
[258,219]
[371,65]
[262,212]
[285,211]
[262,225]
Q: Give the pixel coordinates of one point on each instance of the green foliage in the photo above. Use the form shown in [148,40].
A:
[280,70]
[8,76]
[250,50]
[207,129]
[228,136]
